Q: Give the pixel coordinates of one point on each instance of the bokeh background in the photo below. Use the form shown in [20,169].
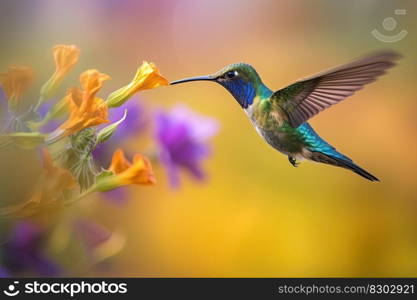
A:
[254,215]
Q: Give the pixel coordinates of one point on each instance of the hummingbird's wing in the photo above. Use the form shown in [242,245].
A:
[307,97]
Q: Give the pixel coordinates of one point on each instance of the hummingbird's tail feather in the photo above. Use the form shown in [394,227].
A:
[342,161]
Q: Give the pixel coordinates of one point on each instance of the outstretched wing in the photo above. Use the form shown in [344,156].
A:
[307,97]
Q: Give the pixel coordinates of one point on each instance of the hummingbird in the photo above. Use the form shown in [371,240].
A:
[281,117]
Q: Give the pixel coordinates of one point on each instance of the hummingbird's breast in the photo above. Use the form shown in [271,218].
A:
[272,126]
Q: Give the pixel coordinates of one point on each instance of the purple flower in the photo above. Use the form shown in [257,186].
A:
[23,252]
[182,137]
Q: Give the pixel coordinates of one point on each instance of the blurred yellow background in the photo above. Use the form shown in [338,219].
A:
[256,215]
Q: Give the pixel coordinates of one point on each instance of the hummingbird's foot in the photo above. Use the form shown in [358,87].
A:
[293,161]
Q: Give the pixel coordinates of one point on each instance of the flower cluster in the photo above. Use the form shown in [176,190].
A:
[76,157]
[85,111]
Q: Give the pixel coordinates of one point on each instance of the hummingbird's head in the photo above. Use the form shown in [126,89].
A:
[240,79]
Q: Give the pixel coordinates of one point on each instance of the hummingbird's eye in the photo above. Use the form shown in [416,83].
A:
[230,74]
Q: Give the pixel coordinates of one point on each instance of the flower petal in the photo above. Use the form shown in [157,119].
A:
[147,77]
[86,110]
[16,81]
[65,56]
[125,172]
[91,81]
[119,162]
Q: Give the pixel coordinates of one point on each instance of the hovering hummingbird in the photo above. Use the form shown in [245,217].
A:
[280,117]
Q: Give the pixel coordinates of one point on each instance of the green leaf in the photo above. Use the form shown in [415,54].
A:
[105,133]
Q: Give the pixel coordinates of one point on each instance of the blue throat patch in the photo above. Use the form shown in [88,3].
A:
[244,92]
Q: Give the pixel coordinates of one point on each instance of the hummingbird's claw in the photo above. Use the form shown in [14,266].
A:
[293,161]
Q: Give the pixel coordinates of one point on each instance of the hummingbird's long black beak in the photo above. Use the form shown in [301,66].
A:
[198,78]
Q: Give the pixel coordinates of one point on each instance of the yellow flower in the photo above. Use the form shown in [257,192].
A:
[124,172]
[15,82]
[119,162]
[137,172]
[86,110]
[65,56]
[92,81]
[147,77]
